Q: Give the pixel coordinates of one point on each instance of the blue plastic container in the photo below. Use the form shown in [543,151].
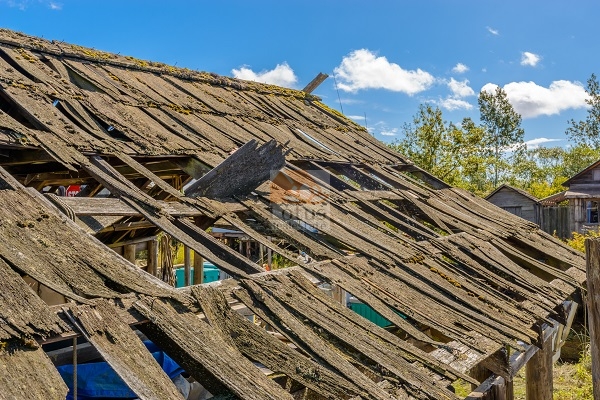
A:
[211,274]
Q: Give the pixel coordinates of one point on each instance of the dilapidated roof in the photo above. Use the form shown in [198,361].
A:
[460,280]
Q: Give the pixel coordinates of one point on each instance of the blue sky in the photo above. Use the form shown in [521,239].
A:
[384,58]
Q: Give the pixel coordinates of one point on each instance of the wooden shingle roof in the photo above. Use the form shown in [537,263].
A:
[459,279]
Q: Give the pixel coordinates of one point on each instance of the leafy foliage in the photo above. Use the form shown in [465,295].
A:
[588,131]
[543,170]
[502,125]
[578,240]
[456,154]
[479,157]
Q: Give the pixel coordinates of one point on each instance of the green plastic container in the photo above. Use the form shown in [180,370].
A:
[370,314]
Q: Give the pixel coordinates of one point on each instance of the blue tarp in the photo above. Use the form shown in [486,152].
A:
[99,380]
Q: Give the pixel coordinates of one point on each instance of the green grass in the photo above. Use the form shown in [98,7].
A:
[572,381]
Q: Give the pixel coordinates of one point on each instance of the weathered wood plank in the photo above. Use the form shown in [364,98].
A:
[538,373]
[592,249]
[26,371]
[257,344]
[192,343]
[232,177]
[303,337]
[123,351]
[348,333]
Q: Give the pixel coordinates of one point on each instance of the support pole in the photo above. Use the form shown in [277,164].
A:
[75,367]
[152,256]
[187,265]
[592,251]
[198,269]
[261,253]
[538,373]
[270,254]
[339,295]
[510,390]
[129,253]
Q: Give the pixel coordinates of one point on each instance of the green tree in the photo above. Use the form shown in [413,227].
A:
[425,142]
[456,154]
[503,126]
[543,170]
[588,131]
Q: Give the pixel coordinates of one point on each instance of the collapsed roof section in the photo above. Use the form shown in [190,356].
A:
[460,280]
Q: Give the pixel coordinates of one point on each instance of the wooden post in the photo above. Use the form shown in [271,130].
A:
[198,269]
[339,295]
[129,253]
[261,253]
[480,373]
[510,390]
[152,256]
[538,373]
[498,391]
[592,251]
[270,255]
[187,265]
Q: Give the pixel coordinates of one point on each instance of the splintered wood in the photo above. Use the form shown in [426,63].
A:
[124,351]
[198,348]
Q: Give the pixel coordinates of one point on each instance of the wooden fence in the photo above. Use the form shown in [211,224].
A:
[555,221]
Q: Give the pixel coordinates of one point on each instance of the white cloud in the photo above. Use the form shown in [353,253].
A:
[389,132]
[356,117]
[493,31]
[452,103]
[460,89]
[530,59]
[537,142]
[531,100]
[24,4]
[282,75]
[362,69]
[460,68]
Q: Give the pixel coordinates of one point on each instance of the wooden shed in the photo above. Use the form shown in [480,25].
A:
[578,204]
[518,202]
[473,293]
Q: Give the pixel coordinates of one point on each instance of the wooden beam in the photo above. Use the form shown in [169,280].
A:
[538,373]
[198,269]
[99,206]
[518,360]
[233,177]
[153,257]
[131,242]
[315,82]
[187,265]
[592,251]
[129,253]
[127,226]
[492,388]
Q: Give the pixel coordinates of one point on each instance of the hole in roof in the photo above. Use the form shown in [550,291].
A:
[16,66]
[13,109]
[109,128]
[81,82]
[316,141]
